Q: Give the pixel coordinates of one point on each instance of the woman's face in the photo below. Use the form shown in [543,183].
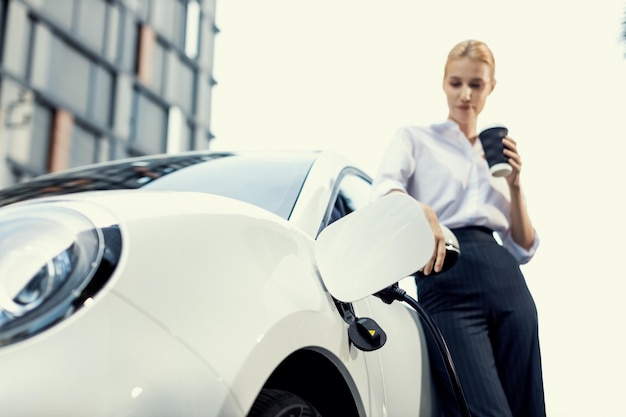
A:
[467,83]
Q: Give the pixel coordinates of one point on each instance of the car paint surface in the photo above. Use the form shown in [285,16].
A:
[210,295]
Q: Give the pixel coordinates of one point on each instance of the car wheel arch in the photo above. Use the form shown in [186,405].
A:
[316,376]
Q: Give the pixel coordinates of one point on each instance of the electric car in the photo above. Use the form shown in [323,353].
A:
[210,284]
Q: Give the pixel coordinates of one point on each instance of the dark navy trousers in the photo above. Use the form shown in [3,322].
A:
[488,318]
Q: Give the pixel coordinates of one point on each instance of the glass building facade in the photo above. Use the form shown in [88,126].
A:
[85,81]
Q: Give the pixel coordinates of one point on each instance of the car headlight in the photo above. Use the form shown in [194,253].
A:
[49,254]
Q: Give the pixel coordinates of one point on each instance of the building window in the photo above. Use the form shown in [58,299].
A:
[71,78]
[17,39]
[85,81]
[70,82]
[29,144]
[207,35]
[157,69]
[204,100]
[192,29]
[123,105]
[60,70]
[88,147]
[208,6]
[112,32]
[179,131]
[128,46]
[119,149]
[59,11]
[178,19]
[83,148]
[104,150]
[138,7]
[150,126]
[42,45]
[100,100]
[26,127]
[168,18]
[180,83]
[91,21]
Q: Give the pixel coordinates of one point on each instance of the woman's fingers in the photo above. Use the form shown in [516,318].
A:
[515,160]
[510,150]
[439,255]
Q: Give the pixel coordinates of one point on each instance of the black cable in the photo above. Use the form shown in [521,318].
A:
[394,292]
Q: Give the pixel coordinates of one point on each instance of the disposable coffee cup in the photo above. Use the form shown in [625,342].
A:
[491,139]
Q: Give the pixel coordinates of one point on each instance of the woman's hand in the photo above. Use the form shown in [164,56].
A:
[510,150]
[439,254]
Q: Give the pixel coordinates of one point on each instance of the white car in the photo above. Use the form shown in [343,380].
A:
[210,284]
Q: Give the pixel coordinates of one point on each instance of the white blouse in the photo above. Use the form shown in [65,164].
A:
[438,166]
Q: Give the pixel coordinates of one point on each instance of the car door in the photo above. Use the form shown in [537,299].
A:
[351,192]
[399,372]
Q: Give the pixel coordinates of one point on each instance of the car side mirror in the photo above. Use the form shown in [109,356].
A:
[374,247]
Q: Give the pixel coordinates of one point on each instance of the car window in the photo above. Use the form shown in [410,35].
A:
[270,181]
[353,193]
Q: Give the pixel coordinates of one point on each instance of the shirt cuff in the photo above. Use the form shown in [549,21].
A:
[522,255]
[384,187]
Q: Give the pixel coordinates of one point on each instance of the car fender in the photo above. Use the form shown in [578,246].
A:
[109,360]
[223,257]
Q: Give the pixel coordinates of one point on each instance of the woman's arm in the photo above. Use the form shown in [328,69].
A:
[522,230]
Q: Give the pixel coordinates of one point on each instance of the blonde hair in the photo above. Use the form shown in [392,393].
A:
[472,49]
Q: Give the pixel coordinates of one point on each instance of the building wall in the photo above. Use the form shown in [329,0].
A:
[85,81]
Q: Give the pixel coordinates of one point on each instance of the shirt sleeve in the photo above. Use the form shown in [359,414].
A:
[522,255]
[396,167]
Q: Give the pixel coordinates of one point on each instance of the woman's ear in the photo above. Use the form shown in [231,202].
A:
[493,85]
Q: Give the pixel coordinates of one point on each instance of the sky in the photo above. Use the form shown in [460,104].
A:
[344,75]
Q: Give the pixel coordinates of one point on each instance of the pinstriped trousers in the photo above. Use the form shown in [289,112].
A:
[488,318]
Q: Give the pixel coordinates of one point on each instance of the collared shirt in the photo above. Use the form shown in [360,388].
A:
[438,166]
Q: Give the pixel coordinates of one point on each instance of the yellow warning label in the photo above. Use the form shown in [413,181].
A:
[372,332]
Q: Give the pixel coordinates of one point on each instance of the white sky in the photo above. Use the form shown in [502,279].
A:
[343,75]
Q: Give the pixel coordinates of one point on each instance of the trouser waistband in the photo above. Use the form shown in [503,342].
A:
[473,233]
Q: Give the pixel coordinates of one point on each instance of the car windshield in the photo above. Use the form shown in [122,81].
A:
[270,181]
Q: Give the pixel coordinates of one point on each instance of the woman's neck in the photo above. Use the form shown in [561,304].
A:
[468,128]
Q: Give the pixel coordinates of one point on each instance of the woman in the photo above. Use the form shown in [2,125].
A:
[482,305]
